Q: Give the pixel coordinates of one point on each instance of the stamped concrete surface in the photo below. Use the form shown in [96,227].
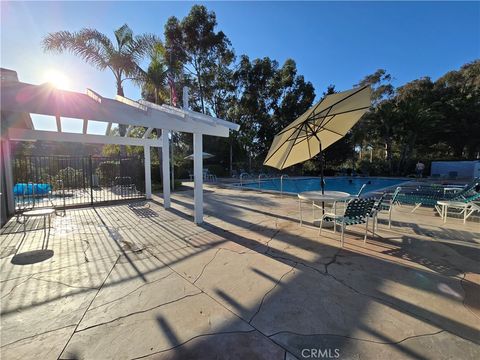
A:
[133,281]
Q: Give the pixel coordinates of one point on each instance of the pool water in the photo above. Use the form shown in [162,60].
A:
[346,184]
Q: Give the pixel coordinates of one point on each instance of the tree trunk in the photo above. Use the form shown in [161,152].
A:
[388,155]
[407,152]
[122,128]
[458,150]
[200,87]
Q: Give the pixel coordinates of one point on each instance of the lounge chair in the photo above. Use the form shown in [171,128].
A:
[357,212]
[429,196]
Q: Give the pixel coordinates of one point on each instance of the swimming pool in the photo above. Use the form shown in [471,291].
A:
[346,184]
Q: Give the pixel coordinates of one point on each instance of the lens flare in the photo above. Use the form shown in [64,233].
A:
[57,79]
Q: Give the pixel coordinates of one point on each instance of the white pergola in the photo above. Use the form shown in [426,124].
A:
[18,100]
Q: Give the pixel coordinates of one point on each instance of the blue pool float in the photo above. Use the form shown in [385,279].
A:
[30,189]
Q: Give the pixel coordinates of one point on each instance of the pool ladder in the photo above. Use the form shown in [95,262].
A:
[260,178]
[242,176]
[281,183]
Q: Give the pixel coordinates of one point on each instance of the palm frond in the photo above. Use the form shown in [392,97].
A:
[124,35]
[142,45]
[88,44]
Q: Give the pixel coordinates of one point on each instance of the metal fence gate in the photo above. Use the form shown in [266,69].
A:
[63,181]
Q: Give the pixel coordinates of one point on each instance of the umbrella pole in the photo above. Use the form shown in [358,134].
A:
[322,186]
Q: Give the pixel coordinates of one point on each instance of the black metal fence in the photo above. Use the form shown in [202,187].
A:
[62,181]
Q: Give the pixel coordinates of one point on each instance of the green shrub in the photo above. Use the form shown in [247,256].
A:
[71,177]
[107,171]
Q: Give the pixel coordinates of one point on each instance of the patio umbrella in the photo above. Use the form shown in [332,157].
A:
[204,156]
[319,127]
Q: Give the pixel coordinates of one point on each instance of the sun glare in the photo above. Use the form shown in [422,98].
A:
[57,79]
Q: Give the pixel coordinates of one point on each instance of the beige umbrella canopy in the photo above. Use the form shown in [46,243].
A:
[318,128]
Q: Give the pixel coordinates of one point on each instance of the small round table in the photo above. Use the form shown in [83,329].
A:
[317,196]
[38,213]
[445,204]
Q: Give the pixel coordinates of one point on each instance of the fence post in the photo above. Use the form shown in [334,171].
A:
[91,178]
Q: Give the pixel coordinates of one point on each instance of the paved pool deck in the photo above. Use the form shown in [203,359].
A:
[134,281]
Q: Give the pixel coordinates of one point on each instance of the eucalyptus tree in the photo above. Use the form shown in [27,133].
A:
[378,125]
[458,94]
[122,56]
[194,42]
[270,97]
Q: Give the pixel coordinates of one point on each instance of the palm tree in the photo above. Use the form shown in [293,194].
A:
[122,57]
[154,81]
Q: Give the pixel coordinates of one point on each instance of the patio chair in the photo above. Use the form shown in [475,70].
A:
[356,196]
[357,212]
[360,191]
[386,205]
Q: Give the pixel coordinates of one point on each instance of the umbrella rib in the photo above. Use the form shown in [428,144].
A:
[290,128]
[299,137]
[308,146]
[316,106]
[286,157]
[349,96]
[341,113]
[323,126]
[288,139]
[333,132]
[345,98]
[327,114]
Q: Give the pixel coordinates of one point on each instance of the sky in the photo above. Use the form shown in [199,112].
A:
[332,42]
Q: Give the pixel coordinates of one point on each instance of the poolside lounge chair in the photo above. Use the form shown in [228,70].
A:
[357,212]
[429,196]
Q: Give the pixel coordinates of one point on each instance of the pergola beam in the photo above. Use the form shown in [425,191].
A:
[147,133]
[33,135]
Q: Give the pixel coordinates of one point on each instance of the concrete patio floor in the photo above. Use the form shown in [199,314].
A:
[134,281]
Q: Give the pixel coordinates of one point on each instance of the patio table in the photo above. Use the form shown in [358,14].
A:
[445,204]
[317,196]
[38,213]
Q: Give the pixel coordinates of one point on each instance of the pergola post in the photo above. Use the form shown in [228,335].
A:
[198,177]
[166,168]
[148,177]
[8,175]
